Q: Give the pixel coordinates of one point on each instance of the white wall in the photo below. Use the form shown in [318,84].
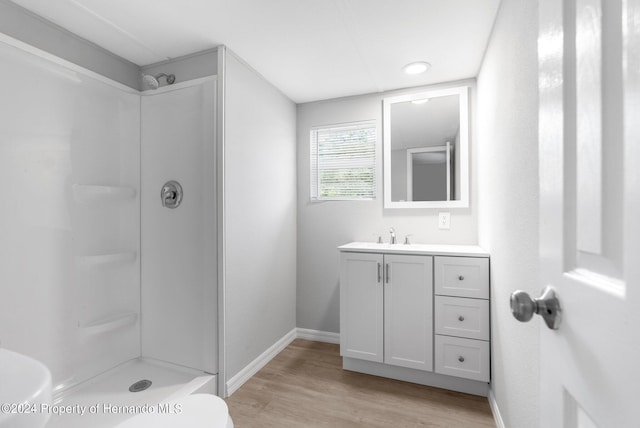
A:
[69,256]
[508,206]
[179,261]
[259,271]
[322,226]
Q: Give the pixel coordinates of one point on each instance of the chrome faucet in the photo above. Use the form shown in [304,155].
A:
[393,236]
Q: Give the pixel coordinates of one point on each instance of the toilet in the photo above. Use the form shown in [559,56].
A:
[195,411]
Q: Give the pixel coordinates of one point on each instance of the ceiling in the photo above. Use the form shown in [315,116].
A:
[309,49]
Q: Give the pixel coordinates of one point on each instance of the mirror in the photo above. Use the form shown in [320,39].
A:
[426,146]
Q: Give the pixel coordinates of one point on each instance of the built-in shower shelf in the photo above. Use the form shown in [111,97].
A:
[106,260]
[109,324]
[88,194]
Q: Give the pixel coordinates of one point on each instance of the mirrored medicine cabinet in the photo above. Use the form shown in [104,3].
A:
[426,149]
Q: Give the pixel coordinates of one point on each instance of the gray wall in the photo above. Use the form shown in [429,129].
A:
[322,226]
[456,167]
[399,175]
[433,182]
[259,215]
[508,209]
[36,31]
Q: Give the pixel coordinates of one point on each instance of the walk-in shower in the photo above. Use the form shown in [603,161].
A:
[112,287]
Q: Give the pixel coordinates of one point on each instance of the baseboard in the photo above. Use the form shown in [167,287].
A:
[253,367]
[495,410]
[318,335]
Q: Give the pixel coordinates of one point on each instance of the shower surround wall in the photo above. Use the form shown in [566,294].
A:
[179,274]
[70,254]
[69,161]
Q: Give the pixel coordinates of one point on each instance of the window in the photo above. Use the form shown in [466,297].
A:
[343,161]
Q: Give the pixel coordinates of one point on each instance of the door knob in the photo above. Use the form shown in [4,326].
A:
[547,305]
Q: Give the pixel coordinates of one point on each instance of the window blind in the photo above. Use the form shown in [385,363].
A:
[343,161]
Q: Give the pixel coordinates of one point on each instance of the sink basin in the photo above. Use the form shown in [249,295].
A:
[25,391]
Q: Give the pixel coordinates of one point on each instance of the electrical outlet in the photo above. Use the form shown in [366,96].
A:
[444,221]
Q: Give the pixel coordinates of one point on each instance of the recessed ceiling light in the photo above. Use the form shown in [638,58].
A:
[422,101]
[416,67]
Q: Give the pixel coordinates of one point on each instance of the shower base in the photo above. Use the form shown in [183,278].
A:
[106,400]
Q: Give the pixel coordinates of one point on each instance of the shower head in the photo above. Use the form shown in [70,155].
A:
[152,81]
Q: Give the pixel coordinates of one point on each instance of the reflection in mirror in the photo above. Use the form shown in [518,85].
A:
[430,168]
[426,146]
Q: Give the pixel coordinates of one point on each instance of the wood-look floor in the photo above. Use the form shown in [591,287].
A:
[305,386]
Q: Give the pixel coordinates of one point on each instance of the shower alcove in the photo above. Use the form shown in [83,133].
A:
[103,284]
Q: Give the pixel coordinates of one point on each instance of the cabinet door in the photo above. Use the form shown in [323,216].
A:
[408,308]
[361,307]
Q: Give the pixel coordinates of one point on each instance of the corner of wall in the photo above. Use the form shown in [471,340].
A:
[495,410]
[187,67]
[259,187]
[508,207]
[258,363]
[220,226]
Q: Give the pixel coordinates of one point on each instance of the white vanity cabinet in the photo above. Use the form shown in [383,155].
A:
[382,315]
[418,313]
[461,314]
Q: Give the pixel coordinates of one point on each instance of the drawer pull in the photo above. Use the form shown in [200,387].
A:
[460,318]
[461,359]
[461,278]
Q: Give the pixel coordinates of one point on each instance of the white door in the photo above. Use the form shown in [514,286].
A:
[408,311]
[589,80]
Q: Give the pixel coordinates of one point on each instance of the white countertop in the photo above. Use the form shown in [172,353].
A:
[421,249]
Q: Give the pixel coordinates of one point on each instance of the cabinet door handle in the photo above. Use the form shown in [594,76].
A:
[388,272]
[379,272]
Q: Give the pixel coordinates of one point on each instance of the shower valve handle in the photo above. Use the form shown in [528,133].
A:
[171,194]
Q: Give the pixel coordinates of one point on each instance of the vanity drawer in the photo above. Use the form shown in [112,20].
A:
[462,317]
[466,358]
[462,277]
